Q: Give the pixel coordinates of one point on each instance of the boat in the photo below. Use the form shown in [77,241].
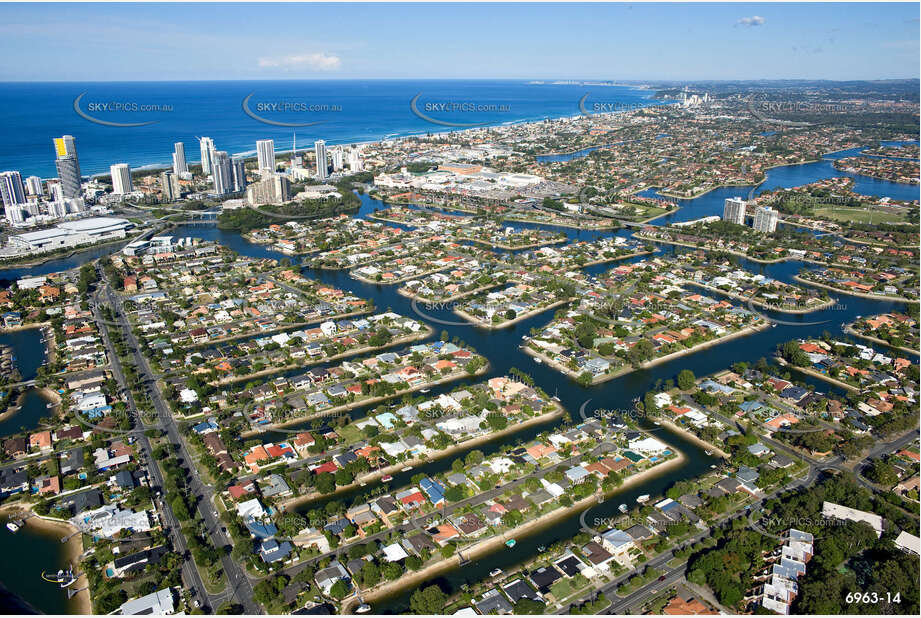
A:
[708,452]
[538,361]
[407,468]
[364,608]
[713,466]
[622,508]
[495,573]
[643,499]
[386,478]
[13,526]
[425,390]
[62,578]
[50,405]
[511,543]
[542,548]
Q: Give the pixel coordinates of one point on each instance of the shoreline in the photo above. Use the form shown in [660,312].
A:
[364,402]
[825,305]
[397,467]
[745,331]
[80,603]
[821,376]
[896,299]
[428,332]
[477,322]
[849,329]
[693,437]
[487,546]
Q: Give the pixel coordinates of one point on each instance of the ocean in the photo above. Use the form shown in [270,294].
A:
[347,112]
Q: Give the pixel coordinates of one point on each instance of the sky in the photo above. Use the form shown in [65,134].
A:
[151,42]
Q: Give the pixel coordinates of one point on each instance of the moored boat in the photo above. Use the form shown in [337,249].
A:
[643,499]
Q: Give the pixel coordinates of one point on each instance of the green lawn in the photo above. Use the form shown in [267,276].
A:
[858,215]
[350,434]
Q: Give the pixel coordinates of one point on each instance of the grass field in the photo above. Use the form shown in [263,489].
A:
[859,215]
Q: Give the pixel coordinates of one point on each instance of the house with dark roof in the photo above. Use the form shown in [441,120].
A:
[493,602]
[544,577]
[520,589]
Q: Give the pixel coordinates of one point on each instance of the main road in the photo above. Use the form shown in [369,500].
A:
[241,589]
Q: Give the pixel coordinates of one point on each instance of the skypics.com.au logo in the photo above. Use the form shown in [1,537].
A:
[281,112]
[590,108]
[436,112]
[97,109]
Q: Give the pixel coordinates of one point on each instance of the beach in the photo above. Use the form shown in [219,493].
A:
[72,550]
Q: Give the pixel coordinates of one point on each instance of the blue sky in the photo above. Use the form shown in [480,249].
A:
[102,42]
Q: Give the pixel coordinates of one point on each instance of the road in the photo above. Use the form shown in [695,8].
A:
[241,590]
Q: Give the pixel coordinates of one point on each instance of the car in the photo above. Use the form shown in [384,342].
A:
[662,578]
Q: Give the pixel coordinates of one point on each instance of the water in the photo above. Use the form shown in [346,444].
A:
[787,176]
[370,110]
[27,553]
[30,354]
[501,347]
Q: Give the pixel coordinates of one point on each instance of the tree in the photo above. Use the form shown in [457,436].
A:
[339,590]
[686,379]
[326,483]
[641,351]
[428,600]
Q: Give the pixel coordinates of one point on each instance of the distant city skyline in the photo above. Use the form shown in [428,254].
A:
[645,41]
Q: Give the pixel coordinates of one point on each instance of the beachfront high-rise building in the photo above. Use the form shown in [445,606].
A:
[14,196]
[265,154]
[69,174]
[238,172]
[765,220]
[221,172]
[67,165]
[179,163]
[338,158]
[121,179]
[355,160]
[11,188]
[206,144]
[34,185]
[65,146]
[169,186]
[319,148]
[734,210]
[56,191]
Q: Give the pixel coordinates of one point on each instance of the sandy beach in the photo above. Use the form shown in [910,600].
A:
[80,603]
[487,546]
